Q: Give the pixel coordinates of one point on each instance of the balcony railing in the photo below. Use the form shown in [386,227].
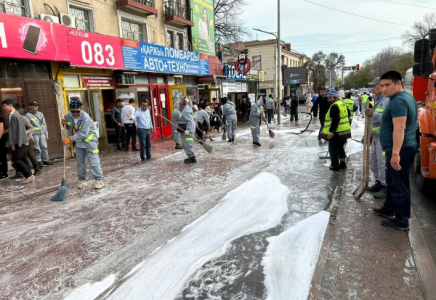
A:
[173,8]
[146,7]
[149,3]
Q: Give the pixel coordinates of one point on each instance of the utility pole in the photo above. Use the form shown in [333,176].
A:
[279,63]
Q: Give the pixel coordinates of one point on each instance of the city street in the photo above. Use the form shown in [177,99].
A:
[243,223]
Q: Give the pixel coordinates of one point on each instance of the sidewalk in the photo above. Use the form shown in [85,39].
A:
[360,259]
[48,182]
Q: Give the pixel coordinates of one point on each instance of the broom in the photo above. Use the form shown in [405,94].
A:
[62,190]
[360,190]
[205,145]
[271,133]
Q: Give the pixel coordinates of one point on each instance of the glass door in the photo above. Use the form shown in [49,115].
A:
[176,93]
[98,117]
[161,111]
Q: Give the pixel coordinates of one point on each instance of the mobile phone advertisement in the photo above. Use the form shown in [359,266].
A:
[27,38]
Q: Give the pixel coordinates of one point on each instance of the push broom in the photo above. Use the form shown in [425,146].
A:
[205,145]
[271,133]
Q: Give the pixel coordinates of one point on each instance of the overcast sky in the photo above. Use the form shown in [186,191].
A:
[304,24]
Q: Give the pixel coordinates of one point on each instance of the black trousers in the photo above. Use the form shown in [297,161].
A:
[3,157]
[270,114]
[31,156]
[130,134]
[294,114]
[336,151]
[120,134]
[19,157]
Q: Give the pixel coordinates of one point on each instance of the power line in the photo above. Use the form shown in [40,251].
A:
[356,15]
[413,5]
[342,43]
[369,50]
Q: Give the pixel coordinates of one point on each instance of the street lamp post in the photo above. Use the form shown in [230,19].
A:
[279,60]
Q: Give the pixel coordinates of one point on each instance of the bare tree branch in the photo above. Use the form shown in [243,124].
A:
[229,27]
[420,29]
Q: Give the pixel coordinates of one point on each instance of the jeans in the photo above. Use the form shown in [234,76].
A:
[398,194]
[144,136]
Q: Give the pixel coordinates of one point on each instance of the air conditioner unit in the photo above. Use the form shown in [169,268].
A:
[49,18]
[68,20]
[126,79]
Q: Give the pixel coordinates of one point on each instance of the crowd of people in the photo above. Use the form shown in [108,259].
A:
[393,135]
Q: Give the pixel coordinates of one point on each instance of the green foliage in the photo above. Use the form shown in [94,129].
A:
[318,65]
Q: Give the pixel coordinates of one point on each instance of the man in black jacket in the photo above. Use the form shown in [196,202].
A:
[119,128]
[321,107]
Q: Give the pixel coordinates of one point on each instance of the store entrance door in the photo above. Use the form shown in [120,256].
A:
[98,117]
[161,111]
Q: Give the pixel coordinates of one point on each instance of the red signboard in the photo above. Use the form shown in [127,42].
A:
[26,38]
[94,50]
[97,81]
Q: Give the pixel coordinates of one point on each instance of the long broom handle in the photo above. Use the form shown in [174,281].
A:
[65,150]
[177,125]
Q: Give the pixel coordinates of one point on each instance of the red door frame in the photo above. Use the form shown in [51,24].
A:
[161,130]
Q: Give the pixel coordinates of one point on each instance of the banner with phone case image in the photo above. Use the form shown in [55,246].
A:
[26,38]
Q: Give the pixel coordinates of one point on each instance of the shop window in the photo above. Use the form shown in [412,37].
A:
[84,17]
[15,7]
[157,80]
[257,62]
[133,30]
[9,70]
[141,79]
[15,93]
[71,81]
[35,70]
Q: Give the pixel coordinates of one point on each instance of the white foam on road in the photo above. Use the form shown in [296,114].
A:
[291,257]
[90,291]
[255,206]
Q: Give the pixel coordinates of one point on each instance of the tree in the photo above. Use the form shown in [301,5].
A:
[384,60]
[420,29]
[318,65]
[229,27]
[359,79]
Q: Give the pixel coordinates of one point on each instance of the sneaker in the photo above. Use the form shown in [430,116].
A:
[135,149]
[395,224]
[29,179]
[375,188]
[99,184]
[83,184]
[381,194]
[384,213]
[178,146]
[36,173]
[191,160]
[342,165]
[48,163]
[257,144]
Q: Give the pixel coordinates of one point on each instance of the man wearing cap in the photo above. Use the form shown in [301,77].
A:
[256,112]
[336,130]
[186,127]
[83,135]
[378,160]
[40,134]
[120,131]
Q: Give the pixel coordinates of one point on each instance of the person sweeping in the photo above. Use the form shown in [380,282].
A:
[254,120]
[83,135]
[186,126]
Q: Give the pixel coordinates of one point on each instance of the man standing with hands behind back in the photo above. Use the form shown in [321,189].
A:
[398,139]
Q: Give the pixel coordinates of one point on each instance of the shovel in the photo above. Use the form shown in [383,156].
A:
[365,164]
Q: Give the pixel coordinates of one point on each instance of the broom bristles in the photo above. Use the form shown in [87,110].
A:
[271,134]
[61,193]
[223,136]
[207,147]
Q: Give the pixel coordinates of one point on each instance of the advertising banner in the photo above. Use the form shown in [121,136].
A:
[94,50]
[292,76]
[203,32]
[160,59]
[26,38]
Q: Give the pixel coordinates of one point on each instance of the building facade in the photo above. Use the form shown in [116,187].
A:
[263,56]
[103,50]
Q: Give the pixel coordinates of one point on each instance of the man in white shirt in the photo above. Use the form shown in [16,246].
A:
[145,128]
[129,124]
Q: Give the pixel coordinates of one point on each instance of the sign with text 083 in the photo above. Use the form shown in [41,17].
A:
[94,50]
